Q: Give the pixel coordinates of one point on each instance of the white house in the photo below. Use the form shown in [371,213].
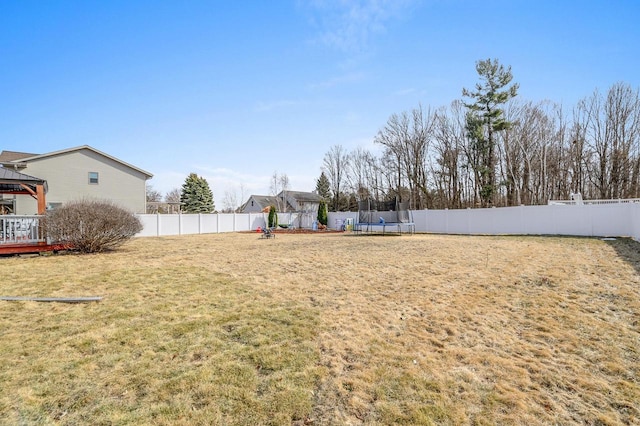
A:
[76,173]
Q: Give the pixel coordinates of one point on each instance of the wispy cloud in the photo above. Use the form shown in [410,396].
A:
[349,25]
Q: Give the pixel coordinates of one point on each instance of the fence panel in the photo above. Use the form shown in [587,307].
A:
[225,222]
[335,220]
[190,224]
[257,220]
[507,220]
[149,225]
[612,219]
[209,224]
[169,224]
[539,220]
[431,221]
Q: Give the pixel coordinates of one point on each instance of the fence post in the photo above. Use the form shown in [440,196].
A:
[199,223]
[426,220]
[634,222]
[158,225]
[446,220]
[217,223]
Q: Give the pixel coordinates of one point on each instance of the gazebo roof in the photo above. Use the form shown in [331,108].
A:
[11,182]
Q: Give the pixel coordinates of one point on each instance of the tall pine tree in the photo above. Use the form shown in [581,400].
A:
[323,187]
[196,196]
[484,119]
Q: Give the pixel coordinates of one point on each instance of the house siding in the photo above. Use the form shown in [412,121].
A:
[255,208]
[67,176]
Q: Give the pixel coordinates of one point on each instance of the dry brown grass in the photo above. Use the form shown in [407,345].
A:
[326,329]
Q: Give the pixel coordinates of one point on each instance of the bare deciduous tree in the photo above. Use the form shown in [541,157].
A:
[152,194]
[229,202]
[610,127]
[153,197]
[360,173]
[406,138]
[448,170]
[279,184]
[335,166]
[172,196]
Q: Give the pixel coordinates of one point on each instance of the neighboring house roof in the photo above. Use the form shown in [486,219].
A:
[267,200]
[291,196]
[303,197]
[10,181]
[264,200]
[11,156]
[22,157]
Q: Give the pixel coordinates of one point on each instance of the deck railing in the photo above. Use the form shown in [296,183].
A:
[21,229]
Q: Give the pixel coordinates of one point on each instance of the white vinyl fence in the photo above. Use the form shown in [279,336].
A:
[591,220]
[183,224]
[622,219]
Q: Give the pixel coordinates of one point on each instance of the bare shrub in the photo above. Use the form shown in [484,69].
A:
[91,226]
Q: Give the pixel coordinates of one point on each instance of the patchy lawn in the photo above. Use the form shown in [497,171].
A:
[326,329]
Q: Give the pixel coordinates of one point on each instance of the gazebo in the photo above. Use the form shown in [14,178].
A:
[15,183]
[22,234]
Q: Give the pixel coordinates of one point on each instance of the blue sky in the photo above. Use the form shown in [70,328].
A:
[235,91]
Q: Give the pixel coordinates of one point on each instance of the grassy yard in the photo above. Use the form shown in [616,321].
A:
[327,329]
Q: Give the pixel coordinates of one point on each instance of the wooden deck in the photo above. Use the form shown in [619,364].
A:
[30,247]
[23,234]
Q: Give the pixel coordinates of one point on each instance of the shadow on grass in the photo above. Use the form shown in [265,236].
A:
[375,234]
[627,249]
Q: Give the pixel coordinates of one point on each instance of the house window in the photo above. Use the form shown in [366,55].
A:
[93,178]
[53,206]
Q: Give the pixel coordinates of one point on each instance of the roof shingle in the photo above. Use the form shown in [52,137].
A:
[9,156]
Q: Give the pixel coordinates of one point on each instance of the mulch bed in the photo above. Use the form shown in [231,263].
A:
[298,231]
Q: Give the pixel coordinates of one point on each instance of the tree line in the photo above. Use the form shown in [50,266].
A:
[493,149]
